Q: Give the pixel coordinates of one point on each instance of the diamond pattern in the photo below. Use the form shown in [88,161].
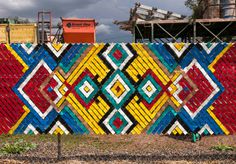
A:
[149,88]
[118,89]
[118,56]
[86,89]
[117,122]
[174,88]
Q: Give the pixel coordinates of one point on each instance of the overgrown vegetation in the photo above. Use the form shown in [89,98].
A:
[16,147]
[222,147]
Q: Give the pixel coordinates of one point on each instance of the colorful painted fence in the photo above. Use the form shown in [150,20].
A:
[118,88]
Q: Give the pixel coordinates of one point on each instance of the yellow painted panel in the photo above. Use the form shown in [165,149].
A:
[3,34]
[23,33]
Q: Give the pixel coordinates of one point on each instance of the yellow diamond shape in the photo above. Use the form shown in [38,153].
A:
[58,131]
[179,46]
[118,89]
[57,46]
[178,130]
[149,88]
[86,89]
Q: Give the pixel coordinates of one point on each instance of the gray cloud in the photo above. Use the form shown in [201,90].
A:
[29,8]
[104,11]
[103,29]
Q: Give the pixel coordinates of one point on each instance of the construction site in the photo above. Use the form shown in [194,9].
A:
[215,22]
[168,95]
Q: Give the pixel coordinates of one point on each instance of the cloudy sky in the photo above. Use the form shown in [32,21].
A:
[104,11]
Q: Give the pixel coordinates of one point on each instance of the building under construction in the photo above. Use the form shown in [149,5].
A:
[216,23]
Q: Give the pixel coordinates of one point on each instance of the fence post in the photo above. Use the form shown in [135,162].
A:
[58,146]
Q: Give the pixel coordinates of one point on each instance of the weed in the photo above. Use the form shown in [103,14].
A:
[222,147]
[17,147]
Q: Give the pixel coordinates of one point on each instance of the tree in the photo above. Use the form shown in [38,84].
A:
[196,8]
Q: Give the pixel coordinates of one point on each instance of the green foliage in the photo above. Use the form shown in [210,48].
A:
[17,147]
[191,3]
[222,147]
[195,7]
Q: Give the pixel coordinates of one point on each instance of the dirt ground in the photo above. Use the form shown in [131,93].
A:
[123,149]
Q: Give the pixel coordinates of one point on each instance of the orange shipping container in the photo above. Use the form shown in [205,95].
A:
[78,30]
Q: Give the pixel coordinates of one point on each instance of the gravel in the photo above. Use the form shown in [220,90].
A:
[124,149]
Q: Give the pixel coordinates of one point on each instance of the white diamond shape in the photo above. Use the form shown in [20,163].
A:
[28,50]
[177,124]
[56,89]
[213,84]
[205,127]
[55,52]
[208,50]
[130,55]
[59,125]
[20,89]
[127,89]
[106,121]
[30,127]
[149,93]
[82,89]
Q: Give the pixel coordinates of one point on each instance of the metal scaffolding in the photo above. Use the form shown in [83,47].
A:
[192,31]
[44,26]
[148,24]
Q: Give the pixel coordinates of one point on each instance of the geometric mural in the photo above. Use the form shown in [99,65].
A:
[133,88]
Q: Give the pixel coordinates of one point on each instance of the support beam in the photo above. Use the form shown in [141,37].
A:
[182,30]
[222,31]
[139,32]
[152,32]
[210,32]
[58,146]
[134,35]
[194,31]
[166,31]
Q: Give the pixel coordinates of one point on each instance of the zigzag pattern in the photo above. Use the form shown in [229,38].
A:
[174,88]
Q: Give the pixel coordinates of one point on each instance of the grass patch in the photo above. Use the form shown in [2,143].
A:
[222,147]
[16,147]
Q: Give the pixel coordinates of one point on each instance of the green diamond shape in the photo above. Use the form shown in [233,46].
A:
[122,59]
[124,122]
[117,102]
[88,80]
[151,80]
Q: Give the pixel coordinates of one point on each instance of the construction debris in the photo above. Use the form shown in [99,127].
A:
[146,13]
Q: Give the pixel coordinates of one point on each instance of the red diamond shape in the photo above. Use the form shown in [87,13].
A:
[117,122]
[118,89]
[33,86]
[204,88]
[117,54]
